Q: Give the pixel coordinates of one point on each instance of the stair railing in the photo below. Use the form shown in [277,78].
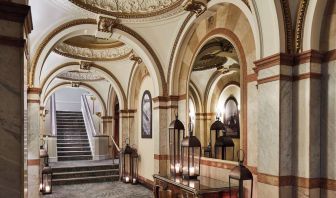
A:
[90,128]
[114,146]
[53,115]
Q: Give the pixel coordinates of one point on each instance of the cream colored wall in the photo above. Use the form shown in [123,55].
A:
[145,146]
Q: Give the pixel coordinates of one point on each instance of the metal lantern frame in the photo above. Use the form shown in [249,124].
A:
[134,167]
[241,173]
[215,130]
[46,180]
[176,134]
[127,164]
[222,143]
[190,147]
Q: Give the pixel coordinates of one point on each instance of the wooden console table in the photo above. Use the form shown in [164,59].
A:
[204,187]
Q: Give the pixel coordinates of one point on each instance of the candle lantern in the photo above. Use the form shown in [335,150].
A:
[127,164]
[215,130]
[241,173]
[221,145]
[134,171]
[46,181]
[176,134]
[191,156]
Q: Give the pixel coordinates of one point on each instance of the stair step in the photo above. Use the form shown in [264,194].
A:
[71,133]
[84,168]
[90,173]
[70,130]
[81,148]
[85,180]
[73,153]
[76,157]
[73,141]
[59,145]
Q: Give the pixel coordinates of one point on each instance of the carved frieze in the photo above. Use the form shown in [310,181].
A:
[106,24]
[135,58]
[84,65]
[75,84]
[93,54]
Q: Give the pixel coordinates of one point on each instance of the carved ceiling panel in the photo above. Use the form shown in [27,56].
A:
[129,8]
[79,76]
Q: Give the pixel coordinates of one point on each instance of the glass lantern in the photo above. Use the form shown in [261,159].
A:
[134,170]
[241,173]
[215,130]
[127,164]
[191,156]
[221,145]
[176,134]
[46,181]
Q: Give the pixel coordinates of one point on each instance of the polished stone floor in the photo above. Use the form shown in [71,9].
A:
[100,190]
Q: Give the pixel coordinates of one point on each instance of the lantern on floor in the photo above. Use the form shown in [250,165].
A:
[134,164]
[215,130]
[221,145]
[176,134]
[207,150]
[191,155]
[46,181]
[127,164]
[241,173]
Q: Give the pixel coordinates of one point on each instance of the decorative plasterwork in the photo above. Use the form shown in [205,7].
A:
[75,84]
[84,65]
[288,25]
[79,76]
[129,8]
[107,24]
[300,20]
[135,58]
[92,54]
[195,6]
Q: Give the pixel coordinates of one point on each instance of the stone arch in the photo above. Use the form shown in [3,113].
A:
[89,27]
[196,97]
[75,66]
[82,85]
[190,26]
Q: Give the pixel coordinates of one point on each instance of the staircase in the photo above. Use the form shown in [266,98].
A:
[88,173]
[72,139]
[75,164]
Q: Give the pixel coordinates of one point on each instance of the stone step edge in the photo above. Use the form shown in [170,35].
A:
[84,172]
[85,178]
[86,166]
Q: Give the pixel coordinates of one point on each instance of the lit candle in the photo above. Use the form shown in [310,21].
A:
[192,184]
[41,187]
[134,180]
[177,168]
[47,189]
[126,179]
[192,171]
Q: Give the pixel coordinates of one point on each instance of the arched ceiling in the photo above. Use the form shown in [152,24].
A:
[81,76]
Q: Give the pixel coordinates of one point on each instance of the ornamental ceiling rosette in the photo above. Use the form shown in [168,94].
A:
[129,8]
[79,76]
[91,52]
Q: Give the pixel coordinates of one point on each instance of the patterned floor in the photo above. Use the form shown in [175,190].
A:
[100,190]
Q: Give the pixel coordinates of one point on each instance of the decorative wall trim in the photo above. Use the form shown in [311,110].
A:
[128,111]
[33,101]
[310,75]
[218,164]
[300,20]
[328,184]
[33,162]
[34,90]
[252,78]
[161,157]
[288,25]
[273,60]
[310,56]
[275,78]
[330,56]
[12,41]
[166,107]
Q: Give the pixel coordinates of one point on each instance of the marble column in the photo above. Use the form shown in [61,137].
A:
[124,127]
[275,126]
[33,141]
[306,123]
[15,26]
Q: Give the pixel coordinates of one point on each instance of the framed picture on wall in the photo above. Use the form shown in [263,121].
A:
[231,117]
[146,115]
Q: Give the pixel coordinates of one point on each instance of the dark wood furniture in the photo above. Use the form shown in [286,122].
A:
[204,187]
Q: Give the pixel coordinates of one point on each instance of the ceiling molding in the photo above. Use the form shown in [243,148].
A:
[299,28]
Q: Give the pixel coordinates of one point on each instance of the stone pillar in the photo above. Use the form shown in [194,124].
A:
[33,141]
[160,135]
[107,125]
[15,25]
[275,126]
[306,124]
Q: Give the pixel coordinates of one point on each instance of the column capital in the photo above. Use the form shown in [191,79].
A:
[34,90]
